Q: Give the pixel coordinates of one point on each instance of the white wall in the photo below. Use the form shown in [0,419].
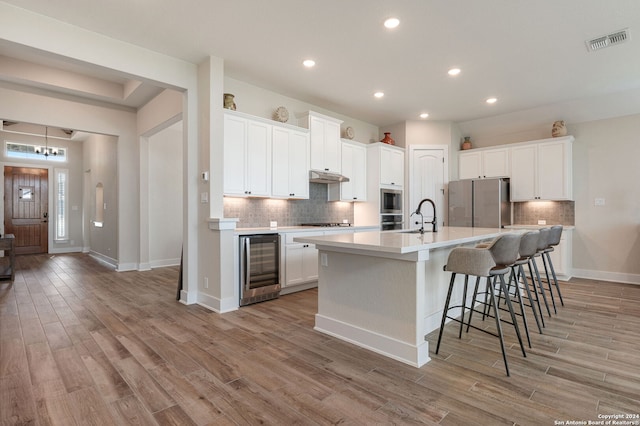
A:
[165,197]
[100,165]
[262,103]
[606,242]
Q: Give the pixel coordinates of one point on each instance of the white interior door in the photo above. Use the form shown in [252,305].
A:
[427,180]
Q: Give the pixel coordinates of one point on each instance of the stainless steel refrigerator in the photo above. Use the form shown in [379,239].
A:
[482,203]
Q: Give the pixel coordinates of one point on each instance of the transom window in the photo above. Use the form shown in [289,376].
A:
[34,152]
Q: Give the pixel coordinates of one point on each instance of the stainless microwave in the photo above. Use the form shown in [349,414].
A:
[390,201]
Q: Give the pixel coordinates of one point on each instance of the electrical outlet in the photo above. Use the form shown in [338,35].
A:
[324,260]
[273,224]
[598,202]
[542,222]
[206,282]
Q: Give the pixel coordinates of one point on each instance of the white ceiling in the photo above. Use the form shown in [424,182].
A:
[526,53]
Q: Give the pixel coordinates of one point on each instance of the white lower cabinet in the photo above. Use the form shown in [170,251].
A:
[299,261]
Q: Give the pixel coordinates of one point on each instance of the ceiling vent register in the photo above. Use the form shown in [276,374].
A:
[612,39]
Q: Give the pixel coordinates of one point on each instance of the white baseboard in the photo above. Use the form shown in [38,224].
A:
[215,304]
[124,267]
[300,287]
[618,277]
[163,263]
[407,353]
[65,250]
[104,259]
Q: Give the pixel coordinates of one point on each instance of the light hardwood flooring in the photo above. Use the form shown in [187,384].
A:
[83,345]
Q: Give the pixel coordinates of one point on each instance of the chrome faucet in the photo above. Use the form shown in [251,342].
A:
[434,222]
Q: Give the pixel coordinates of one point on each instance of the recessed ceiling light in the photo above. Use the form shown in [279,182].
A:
[491,100]
[378,94]
[309,63]
[392,23]
[454,71]
[424,115]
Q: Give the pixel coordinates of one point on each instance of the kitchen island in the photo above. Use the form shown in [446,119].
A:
[385,291]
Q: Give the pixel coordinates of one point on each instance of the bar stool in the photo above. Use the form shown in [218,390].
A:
[543,244]
[491,263]
[528,247]
[554,239]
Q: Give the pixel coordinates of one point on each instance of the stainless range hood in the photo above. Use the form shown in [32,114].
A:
[318,176]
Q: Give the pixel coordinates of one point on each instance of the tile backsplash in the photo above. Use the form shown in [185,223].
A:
[258,212]
[554,212]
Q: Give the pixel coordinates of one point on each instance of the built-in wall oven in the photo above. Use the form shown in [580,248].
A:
[389,222]
[390,201]
[259,268]
[390,209]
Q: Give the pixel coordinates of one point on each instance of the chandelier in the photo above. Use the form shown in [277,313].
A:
[45,150]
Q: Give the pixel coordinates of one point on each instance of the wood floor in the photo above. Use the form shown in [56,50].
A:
[81,344]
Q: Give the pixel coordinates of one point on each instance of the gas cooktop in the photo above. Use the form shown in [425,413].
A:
[325,224]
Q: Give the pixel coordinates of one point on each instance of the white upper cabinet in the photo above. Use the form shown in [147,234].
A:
[542,171]
[247,157]
[391,165]
[354,166]
[290,163]
[325,141]
[486,163]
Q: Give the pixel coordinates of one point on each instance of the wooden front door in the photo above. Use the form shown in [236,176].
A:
[26,208]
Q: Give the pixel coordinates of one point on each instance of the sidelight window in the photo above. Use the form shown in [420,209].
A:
[61,204]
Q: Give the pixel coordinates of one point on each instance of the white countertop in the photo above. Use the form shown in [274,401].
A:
[402,242]
[567,227]
[287,229]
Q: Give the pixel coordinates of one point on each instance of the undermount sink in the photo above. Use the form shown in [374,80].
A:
[411,231]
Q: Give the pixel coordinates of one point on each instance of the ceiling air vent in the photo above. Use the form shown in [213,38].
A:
[608,40]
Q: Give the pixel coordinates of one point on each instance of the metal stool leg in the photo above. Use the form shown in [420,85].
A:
[513,315]
[544,297]
[492,298]
[464,305]
[446,309]
[546,272]
[522,311]
[522,275]
[555,279]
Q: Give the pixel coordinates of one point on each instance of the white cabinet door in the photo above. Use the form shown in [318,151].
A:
[325,144]
[524,164]
[247,157]
[469,165]
[293,265]
[359,173]
[280,162]
[235,135]
[259,159]
[317,133]
[495,163]
[332,147]
[299,164]
[554,171]
[541,171]
[354,166]
[301,260]
[484,164]
[391,167]
[290,163]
